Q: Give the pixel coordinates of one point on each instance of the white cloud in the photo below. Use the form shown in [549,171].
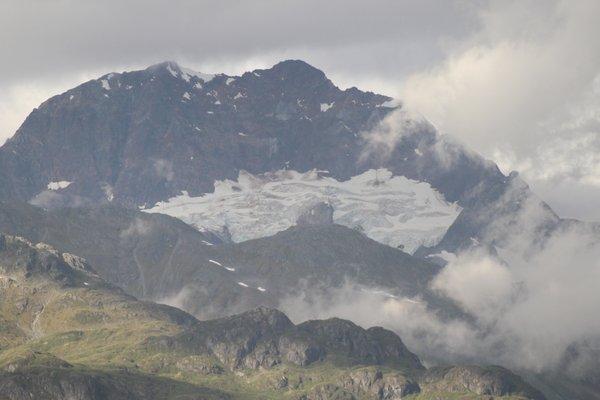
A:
[524,90]
[530,297]
[138,227]
[478,282]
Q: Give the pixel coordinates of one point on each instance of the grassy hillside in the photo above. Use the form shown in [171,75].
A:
[67,334]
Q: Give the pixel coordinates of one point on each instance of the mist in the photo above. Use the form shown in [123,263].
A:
[530,299]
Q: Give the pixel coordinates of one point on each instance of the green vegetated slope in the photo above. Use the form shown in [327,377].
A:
[68,334]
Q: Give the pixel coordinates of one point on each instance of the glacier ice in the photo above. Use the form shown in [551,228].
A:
[393,210]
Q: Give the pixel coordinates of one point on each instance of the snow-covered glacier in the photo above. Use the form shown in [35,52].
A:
[390,209]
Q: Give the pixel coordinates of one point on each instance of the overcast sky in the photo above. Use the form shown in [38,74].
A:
[517,81]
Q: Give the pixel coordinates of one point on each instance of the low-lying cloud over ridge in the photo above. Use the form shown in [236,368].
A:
[530,298]
[524,91]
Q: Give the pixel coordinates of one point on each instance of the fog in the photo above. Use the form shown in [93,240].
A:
[529,299]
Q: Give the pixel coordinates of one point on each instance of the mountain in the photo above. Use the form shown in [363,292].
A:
[66,333]
[292,188]
[145,136]
[153,256]
[137,138]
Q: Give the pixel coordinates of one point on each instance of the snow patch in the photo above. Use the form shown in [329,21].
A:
[239,95]
[390,103]
[215,262]
[229,80]
[187,73]
[58,185]
[326,106]
[393,210]
[242,284]
[207,243]
[444,255]
[171,70]
[108,192]
[187,96]
[261,289]
[105,84]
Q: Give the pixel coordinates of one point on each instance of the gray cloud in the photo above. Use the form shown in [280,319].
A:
[83,35]
[55,44]
[525,94]
[136,228]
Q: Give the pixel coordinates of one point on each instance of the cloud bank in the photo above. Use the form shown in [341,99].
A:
[524,90]
[531,298]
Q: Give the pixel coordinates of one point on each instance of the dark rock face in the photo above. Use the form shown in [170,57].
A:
[139,137]
[493,381]
[154,256]
[257,338]
[377,345]
[128,248]
[373,383]
[72,384]
[156,132]
[317,214]
[264,338]
[388,386]
[21,259]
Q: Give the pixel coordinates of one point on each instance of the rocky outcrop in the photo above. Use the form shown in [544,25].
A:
[372,346]
[140,137]
[380,386]
[67,310]
[264,338]
[256,339]
[316,214]
[20,259]
[492,381]
[77,384]
[327,392]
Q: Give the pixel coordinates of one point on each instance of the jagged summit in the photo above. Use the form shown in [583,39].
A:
[139,137]
[178,71]
[142,137]
[286,68]
[299,71]
[292,66]
[22,260]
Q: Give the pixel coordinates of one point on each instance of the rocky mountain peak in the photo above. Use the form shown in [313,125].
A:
[296,71]
[20,260]
[320,213]
[175,70]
